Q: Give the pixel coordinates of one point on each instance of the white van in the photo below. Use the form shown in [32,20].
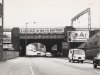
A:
[31,52]
[76,55]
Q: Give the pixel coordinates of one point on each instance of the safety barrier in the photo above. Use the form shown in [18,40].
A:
[90,54]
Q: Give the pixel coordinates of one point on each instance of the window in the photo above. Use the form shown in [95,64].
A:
[81,52]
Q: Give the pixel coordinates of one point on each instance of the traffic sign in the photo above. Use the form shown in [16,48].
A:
[78,36]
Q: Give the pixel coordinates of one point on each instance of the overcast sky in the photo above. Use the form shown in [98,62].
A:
[48,13]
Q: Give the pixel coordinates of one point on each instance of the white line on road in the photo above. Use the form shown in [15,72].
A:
[97,71]
[30,66]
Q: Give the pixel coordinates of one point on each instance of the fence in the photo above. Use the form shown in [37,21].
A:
[91,52]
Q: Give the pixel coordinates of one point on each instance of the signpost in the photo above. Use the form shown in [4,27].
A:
[78,36]
[7,37]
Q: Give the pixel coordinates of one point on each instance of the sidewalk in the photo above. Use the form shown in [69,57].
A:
[16,66]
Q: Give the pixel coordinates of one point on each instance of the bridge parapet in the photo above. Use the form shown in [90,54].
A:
[41,30]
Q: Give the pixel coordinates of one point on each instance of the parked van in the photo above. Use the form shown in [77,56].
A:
[76,55]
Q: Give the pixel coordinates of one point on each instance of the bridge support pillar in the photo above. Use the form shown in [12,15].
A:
[22,52]
[1,44]
[48,48]
[59,48]
[15,38]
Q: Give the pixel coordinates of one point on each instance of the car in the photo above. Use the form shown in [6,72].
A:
[31,52]
[76,55]
[96,61]
[48,54]
[42,53]
[39,53]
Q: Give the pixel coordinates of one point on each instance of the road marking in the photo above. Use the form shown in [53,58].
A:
[97,71]
[30,66]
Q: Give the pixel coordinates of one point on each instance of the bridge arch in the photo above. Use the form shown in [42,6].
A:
[48,44]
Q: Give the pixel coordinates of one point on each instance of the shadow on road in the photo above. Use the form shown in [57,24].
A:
[65,58]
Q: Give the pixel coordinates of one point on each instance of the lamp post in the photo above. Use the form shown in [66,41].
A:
[1,31]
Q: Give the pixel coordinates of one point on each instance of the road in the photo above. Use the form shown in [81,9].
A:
[46,66]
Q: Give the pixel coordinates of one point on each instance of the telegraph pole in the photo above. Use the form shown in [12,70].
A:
[1,31]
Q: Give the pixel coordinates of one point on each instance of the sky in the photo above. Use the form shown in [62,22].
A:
[49,13]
